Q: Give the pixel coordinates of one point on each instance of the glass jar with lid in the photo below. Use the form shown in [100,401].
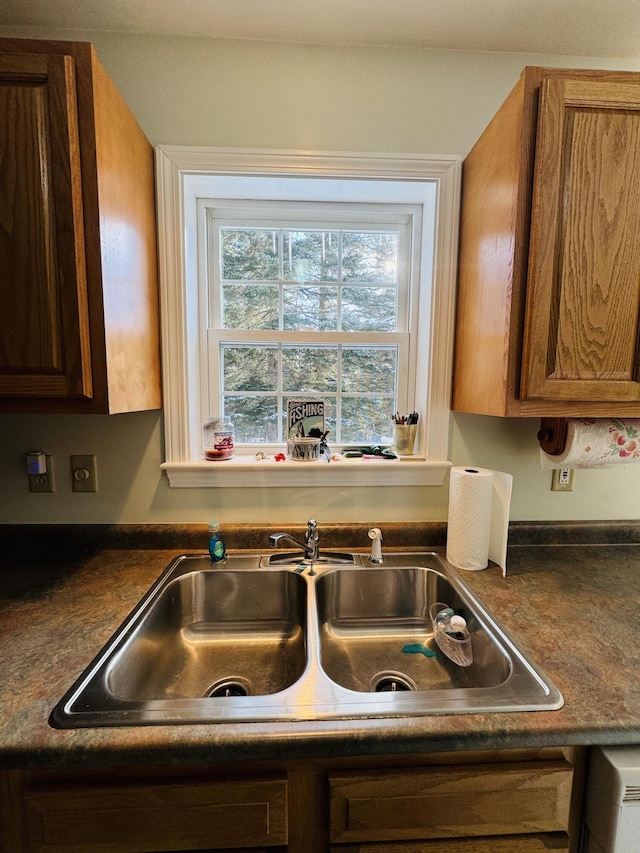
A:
[218,439]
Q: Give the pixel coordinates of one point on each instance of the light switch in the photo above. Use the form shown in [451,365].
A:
[84,473]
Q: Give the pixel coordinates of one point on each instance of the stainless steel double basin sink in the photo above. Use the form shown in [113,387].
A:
[275,638]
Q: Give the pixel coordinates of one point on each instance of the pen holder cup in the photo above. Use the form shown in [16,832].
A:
[404,438]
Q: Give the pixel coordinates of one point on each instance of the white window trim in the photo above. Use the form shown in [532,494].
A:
[181,378]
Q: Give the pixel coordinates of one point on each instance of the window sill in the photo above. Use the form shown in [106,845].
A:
[248,472]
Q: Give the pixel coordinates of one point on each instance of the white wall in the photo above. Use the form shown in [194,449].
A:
[189,91]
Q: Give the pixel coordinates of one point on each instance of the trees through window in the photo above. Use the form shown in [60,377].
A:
[311,303]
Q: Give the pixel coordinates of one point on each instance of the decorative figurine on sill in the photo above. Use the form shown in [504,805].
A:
[325,452]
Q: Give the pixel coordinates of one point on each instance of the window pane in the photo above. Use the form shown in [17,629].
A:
[308,280]
[310,308]
[310,255]
[249,368]
[249,254]
[309,369]
[367,420]
[370,257]
[330,419]
[370,369]
[255,419]
[369,309]
[249,306]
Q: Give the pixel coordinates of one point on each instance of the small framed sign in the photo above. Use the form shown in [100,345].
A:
[303,416]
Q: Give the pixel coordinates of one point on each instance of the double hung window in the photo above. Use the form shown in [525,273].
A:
[289,275]
[311,302]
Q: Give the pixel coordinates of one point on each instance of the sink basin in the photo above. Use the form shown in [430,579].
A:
[263,640]
[368,617]
[215,633]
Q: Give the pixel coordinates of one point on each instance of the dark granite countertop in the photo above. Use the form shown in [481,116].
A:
[575,609]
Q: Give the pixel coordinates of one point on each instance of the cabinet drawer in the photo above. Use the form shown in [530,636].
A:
[557,842]
[448,802]
[180,815]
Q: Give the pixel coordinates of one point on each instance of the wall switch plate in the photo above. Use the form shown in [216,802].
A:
[84,473]
[562,480]
[43,481]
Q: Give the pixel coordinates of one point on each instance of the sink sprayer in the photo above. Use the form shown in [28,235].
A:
[375,534]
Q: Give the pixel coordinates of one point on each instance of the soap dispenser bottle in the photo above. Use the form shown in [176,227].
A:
[217,548]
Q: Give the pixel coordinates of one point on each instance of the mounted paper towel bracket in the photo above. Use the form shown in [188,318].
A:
[552,435]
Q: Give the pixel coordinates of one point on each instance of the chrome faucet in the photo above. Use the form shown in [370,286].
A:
[311,540]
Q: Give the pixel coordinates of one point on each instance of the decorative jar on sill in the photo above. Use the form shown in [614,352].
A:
[303,449]
[218,439]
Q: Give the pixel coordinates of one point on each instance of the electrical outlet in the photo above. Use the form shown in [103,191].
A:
[562,480]
[84,473]
[43,482]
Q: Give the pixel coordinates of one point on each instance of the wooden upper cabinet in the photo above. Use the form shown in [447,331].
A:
[78,269]
[583,296]
[549,278]
[44,347]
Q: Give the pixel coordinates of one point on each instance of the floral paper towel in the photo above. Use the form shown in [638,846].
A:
[597,443]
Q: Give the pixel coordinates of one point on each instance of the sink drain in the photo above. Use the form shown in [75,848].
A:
[228,687]
[391,682]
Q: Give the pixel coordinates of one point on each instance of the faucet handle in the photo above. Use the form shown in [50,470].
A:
[311,536]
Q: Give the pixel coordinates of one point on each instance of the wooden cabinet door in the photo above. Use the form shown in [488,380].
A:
[583,293]
[451,802]
[44,345]
[148,816]
[556,842]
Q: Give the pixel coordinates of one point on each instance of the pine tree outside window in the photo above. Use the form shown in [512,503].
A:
[309,303]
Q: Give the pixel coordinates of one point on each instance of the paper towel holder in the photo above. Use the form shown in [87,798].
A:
[552,435]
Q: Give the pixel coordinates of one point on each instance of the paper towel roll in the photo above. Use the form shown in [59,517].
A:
[478,520]
[597,443]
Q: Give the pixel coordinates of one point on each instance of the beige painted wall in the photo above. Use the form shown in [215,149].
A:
[257,94]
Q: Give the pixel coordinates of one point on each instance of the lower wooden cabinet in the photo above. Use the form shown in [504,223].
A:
[469,801]
[156,816]
[494,844]
[507,801]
